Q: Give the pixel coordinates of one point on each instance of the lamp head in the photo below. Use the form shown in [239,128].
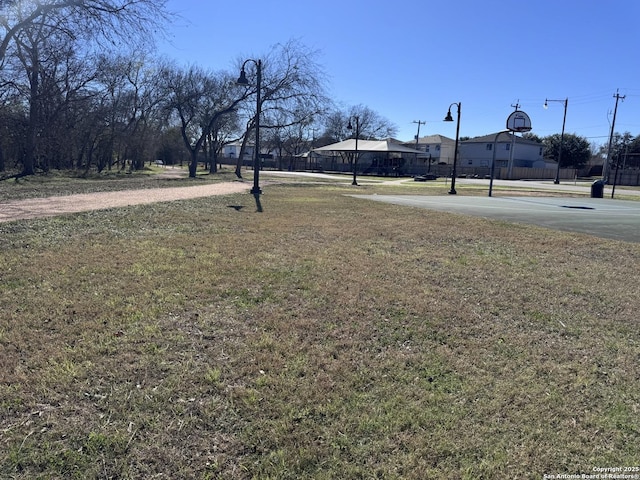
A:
[448,118]
[242,80]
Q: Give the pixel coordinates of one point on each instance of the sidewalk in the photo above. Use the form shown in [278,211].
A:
[83,202]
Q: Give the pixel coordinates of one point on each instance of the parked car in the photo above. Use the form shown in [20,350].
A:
[425,177]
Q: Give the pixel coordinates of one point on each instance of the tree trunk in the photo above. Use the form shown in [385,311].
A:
[193,165]
[213,167]
[28,164]
[241,156]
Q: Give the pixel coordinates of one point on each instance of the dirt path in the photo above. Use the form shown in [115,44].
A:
[53,206]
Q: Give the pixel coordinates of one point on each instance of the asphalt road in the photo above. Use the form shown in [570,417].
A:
[601,217]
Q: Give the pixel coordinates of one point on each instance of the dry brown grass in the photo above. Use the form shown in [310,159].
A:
[326,337]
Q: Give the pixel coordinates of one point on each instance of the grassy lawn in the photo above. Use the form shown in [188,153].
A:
[326,337]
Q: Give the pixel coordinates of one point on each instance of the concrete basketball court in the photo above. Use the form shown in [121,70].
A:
[601,217]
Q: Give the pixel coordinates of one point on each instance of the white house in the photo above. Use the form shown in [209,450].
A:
[437,148]
[232,150]
[479,151]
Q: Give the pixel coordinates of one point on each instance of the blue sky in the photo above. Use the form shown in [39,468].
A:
[410,59]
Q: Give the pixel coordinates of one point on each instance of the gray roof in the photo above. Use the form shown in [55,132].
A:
[430,140]
[503,137]
[434,139]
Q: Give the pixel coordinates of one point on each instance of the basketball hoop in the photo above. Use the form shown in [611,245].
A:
[519,122]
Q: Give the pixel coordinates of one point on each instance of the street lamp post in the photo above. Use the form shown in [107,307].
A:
[242,80]
[355,159]
[449,118]
[564,120]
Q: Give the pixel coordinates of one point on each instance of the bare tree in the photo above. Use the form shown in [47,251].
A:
[288,142]
[224,130]
[292,92]
[13,123]
[136,94]
[200,101]
[98,19]
[373,126]
[28,28]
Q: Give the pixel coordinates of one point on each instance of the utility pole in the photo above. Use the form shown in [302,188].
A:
[419,122]
[605,168]
[564,121]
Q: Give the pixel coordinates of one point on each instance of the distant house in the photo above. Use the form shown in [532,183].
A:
[437,149]
[479,152]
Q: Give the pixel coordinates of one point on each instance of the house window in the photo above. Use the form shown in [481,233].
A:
[469,162]
[507,147]
[540,151]
[426,148]
[489,146]
[437,148]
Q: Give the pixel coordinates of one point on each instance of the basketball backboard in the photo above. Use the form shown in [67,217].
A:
[519,121]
